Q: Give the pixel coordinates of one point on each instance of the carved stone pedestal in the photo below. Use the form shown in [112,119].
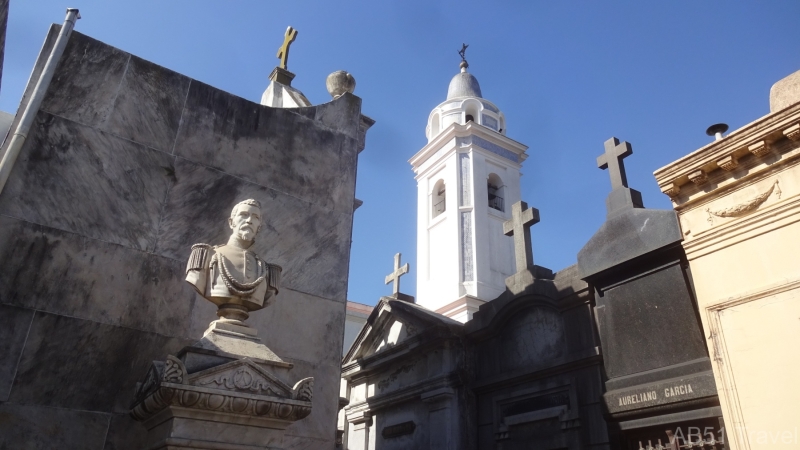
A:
[226,391]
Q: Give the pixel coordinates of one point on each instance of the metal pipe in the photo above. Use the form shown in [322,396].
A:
[32,108]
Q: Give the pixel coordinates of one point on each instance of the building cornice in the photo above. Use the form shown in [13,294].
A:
[459,131]
[755,138]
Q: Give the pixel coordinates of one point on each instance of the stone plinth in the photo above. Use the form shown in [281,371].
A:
[211,398]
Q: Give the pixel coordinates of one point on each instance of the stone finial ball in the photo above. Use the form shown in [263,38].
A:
[340,82]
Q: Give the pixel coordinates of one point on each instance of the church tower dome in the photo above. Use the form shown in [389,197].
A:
[465,103]
[468,176]
[463,84]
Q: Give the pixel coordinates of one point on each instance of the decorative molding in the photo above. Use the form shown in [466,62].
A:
[672,191]
[167,384]
[769,128]
[728,163]
[793,132]
[170,394]
[488,146]
[744,208]
[698,177]
[243,380]
[304,389]
[760,148]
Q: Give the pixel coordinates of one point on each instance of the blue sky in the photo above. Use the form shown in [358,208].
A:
[568,75]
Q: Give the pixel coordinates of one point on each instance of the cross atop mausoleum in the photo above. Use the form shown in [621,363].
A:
[522,218]
[283,51]
[395,276]
[612,160]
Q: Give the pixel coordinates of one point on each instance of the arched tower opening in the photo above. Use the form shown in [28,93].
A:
[496,191]
[438,199]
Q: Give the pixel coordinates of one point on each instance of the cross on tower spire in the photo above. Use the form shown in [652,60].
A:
[395,276]
[522,218]
[612,160]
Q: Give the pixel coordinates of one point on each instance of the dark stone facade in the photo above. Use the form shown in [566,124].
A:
[526,372]
[606,354]
[126,166]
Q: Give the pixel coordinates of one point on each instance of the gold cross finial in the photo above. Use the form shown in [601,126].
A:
[283,51]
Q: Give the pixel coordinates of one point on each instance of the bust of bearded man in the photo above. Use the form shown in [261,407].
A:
[232,276]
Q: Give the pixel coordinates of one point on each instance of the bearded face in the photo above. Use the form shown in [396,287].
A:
[245,222]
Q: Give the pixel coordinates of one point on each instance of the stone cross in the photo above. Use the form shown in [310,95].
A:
[519,226]
[612,160]
[283,51]
[395,276]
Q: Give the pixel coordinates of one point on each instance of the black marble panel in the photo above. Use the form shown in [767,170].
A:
[29,427]
[75,178]
[648,322]
[662,392]
[311,243]
[86,81]
[273,147]
[14,325]
[149,104]
[79,364]
[64,273]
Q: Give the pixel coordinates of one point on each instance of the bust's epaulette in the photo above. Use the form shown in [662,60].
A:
[199,257]
[274,276]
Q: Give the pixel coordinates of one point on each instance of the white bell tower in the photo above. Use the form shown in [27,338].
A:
[467,179]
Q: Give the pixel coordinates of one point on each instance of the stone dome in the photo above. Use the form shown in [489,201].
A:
[464,84]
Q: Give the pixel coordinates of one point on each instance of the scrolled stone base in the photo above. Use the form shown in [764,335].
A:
[224,404]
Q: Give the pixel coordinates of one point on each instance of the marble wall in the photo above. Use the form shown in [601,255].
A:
[126,166]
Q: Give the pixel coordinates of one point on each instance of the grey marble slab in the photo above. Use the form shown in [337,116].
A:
[148,106]
[339,115]
[86,80]
[85,365]
[14,326]
[124,433]
[306,331]
[311,243]
[273,147]
[75,178]
[297,326]
[31,427]
[317,425]
[65,273]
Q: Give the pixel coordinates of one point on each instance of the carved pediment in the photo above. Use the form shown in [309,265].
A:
[391,323]
[394,332]
[242,376]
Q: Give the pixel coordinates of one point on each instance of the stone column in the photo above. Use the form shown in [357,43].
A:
[358,438]
[441,410]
